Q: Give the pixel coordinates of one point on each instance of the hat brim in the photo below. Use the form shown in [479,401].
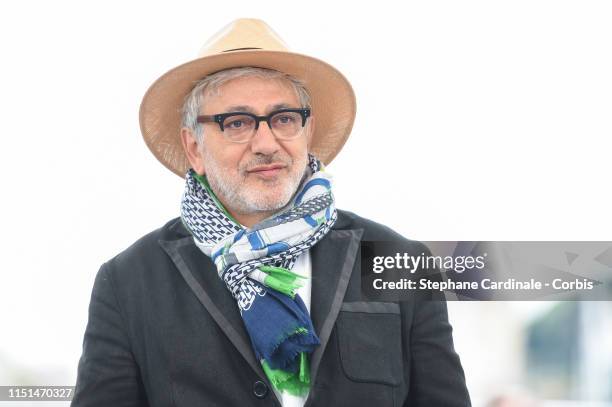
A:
[332,99]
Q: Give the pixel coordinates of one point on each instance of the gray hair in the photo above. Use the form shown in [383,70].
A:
[211,84]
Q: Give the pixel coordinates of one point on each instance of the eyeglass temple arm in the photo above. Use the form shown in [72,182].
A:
[206,119]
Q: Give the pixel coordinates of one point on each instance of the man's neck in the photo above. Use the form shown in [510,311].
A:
[250,219]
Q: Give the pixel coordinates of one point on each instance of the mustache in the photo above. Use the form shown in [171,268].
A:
[266,160]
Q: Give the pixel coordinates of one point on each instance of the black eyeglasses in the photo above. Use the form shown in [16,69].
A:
[240,127]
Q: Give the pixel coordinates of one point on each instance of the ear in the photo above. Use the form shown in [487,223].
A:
[192,150]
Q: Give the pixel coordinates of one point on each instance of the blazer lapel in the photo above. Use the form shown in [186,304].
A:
[333,259]
[200,274]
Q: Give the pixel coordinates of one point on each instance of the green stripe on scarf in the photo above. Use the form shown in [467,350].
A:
[282,279]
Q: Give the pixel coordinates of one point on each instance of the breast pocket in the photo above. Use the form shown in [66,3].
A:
[370,342]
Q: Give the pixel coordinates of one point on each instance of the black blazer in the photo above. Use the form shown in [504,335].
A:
[164,331]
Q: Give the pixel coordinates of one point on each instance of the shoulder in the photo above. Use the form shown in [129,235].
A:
[373,231]
[146,252]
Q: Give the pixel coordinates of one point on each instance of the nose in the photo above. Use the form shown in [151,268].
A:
[264,141]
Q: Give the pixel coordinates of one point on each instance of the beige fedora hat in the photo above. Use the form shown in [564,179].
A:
[247,42]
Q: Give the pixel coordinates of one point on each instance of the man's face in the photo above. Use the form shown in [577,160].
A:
[263,174]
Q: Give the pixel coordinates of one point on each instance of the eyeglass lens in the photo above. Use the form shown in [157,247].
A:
[284,125]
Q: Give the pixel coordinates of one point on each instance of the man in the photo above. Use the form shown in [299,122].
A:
[252,296]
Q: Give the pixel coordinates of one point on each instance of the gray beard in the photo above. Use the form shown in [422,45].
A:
[240,200]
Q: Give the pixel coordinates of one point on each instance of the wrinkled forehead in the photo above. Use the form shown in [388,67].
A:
[251,91]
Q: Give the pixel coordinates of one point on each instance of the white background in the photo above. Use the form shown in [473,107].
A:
[483,120]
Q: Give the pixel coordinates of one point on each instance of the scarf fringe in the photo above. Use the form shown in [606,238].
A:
[295,384]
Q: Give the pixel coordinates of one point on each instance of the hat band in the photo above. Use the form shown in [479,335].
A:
[240,49]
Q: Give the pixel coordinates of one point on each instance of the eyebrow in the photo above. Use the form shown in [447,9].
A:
[249,109]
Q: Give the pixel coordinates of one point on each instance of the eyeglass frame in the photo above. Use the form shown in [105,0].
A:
[220,118]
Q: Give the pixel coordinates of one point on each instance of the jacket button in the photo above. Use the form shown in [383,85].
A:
[260,389]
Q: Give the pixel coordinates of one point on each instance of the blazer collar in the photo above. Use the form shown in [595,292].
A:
[332,259]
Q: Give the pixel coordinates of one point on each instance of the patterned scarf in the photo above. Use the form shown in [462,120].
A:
[255,265]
